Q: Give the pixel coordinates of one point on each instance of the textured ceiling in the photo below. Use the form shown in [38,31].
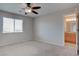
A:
[45,8]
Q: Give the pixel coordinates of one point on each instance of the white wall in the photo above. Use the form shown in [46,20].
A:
[11,38]
[50,28]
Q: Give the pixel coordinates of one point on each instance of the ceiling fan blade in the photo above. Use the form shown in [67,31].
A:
[28,4]
[35,12]
[25,13]
[38,7]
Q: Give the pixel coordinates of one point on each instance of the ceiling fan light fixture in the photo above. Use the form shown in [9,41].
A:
[28,10]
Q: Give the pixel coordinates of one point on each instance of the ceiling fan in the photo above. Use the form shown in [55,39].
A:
[30,9]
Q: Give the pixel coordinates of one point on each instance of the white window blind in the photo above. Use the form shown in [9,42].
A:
[12,25]
[18,25]
[8,25]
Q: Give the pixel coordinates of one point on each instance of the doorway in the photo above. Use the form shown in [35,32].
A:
[70,30]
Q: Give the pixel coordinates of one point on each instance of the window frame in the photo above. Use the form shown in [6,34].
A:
[13,25]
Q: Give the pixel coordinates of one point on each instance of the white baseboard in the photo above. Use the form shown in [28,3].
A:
[62,45]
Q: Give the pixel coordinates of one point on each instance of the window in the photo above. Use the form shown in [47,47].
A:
[8,25]
[18,25]
[12,25]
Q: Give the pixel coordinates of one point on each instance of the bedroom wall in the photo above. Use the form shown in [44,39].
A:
[11,38]
[50,28]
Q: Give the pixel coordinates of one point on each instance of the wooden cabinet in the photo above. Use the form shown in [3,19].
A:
[70,37]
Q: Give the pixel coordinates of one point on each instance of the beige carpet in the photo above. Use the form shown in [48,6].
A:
[35,48]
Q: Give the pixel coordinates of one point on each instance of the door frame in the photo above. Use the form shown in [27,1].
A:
[77,33]
[77,27]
